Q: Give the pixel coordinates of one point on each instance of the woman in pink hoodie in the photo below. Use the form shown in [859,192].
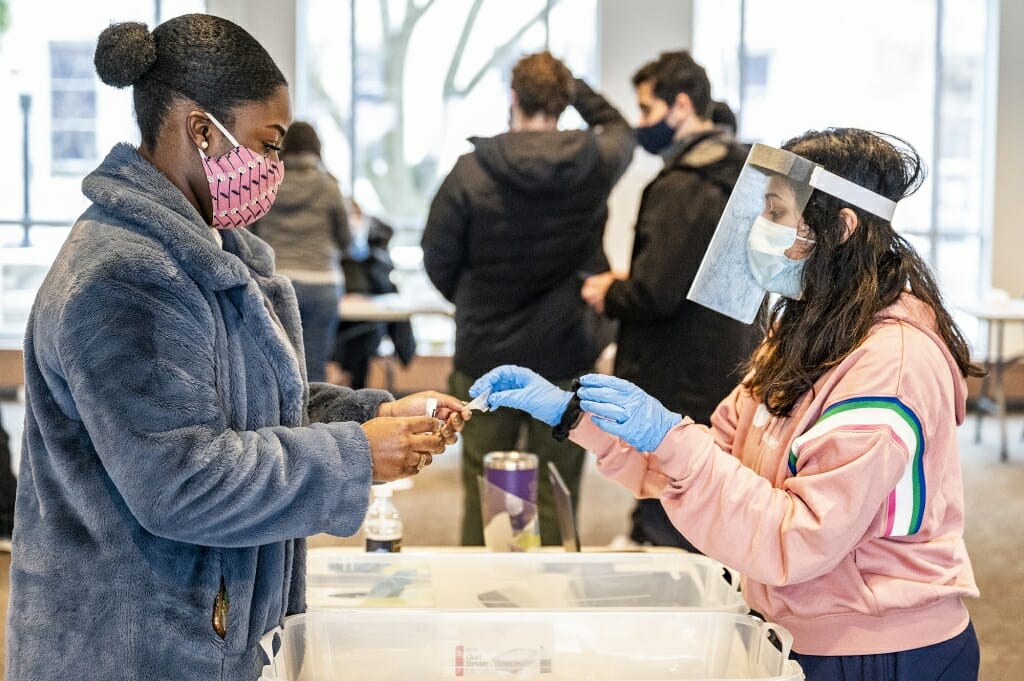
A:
[830,478]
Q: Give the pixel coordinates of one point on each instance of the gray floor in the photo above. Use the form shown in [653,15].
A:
[995,532]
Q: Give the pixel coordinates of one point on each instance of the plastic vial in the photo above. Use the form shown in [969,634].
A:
[383,526]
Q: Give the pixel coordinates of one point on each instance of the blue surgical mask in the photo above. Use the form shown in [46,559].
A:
[654,138]
[767,244]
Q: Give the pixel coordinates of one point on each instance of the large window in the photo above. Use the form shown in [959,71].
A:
[60,121]
[72,107]
[914,68]
[396,88]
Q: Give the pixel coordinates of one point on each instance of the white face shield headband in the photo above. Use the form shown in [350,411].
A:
[773,187]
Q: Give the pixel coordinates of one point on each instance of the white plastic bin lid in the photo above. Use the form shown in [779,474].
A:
[340,578]
[527,645]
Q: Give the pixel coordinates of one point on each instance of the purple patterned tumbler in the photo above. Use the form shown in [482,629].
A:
[514,472]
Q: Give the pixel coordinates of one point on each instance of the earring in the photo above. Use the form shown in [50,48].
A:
[204,144]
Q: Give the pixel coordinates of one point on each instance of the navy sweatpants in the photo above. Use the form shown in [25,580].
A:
[953,660]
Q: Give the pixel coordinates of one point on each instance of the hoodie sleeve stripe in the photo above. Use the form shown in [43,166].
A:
[905,505]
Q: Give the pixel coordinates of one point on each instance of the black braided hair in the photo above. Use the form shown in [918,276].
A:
[207,59]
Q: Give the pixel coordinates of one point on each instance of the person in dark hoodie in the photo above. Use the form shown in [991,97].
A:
[682,353]
[308,230]
[509,233]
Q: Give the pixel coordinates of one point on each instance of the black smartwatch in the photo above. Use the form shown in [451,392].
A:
[570,417]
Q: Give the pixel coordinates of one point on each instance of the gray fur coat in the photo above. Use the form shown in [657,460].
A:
[173,449]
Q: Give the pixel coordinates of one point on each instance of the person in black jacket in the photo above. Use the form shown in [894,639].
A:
[678,351]
[8,490]
[367,266]
[511,232]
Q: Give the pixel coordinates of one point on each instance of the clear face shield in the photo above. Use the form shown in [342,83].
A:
[761,239]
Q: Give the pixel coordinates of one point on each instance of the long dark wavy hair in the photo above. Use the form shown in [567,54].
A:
[846,283]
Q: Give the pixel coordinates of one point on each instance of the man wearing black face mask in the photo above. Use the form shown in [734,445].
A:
[682,353]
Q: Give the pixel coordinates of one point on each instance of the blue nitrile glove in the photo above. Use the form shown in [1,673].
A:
[626,411]
[521,388]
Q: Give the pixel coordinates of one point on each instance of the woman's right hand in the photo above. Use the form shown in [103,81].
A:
[402,446]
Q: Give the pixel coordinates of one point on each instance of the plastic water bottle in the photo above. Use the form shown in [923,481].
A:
[383,526]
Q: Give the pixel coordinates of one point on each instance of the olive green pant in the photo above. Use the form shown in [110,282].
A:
[500,430]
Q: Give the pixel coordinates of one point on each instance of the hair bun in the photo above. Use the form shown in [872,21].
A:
[124,52]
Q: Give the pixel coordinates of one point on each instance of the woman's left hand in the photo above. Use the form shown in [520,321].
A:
[625,411]
[450,410]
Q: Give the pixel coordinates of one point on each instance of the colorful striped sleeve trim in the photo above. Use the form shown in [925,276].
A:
[905,504]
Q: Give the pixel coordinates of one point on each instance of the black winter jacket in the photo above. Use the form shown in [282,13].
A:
[678,351]
[512,230]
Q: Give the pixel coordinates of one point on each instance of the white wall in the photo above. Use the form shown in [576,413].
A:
[631,35]
[1008,157]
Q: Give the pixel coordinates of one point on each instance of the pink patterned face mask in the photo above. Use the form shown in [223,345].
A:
[243,183]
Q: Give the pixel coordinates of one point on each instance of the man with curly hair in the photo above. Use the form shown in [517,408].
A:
[510,232]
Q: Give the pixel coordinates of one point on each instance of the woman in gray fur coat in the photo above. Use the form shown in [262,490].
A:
[174,454]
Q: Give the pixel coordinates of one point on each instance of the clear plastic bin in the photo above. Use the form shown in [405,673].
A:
[339,578]
[527,645]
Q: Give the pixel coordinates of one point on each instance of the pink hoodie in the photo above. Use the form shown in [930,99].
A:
[846,518]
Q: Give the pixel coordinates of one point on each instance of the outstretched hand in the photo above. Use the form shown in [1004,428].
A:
[520,388]
[624,410]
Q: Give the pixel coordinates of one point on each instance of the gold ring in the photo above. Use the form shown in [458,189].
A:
[422,463]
